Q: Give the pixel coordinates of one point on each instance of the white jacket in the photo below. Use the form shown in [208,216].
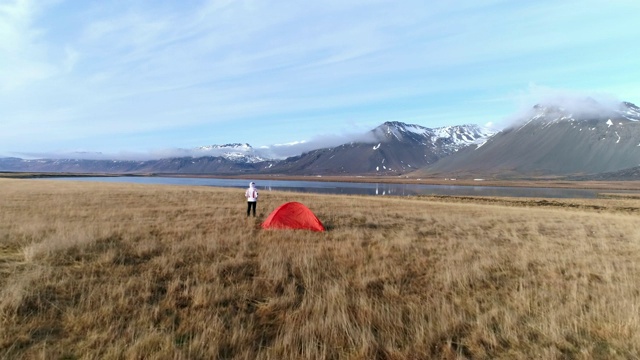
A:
[251,194]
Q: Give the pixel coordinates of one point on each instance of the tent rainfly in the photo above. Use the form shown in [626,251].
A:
[292,215]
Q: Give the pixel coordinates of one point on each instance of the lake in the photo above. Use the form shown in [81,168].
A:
[354,188]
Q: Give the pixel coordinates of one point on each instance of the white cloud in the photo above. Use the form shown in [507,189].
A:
[317,142]
[23,57]
[103,72]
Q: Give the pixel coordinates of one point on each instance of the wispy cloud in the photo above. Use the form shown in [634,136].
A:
[130,75]
[23,53]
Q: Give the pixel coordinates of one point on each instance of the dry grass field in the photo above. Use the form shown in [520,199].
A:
[116,271]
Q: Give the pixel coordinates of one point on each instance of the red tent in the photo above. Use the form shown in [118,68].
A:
[292,215]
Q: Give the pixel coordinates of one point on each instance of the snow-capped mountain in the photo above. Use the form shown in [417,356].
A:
[555,140]
[443,140]
[236,152]
[391,148]
[464,135]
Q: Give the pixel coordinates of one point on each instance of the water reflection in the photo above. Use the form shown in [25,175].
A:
[350,188]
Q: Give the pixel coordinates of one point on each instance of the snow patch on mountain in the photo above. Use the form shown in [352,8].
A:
[236,152]
[463,135]
[420,130]
[630,111]
[451,137]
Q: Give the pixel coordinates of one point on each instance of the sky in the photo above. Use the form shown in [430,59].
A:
[137,77]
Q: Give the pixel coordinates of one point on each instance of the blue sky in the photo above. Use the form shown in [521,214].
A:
[136,77]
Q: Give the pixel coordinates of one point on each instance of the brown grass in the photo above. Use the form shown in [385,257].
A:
[116,271]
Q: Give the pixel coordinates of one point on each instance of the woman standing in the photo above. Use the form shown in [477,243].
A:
[252,198]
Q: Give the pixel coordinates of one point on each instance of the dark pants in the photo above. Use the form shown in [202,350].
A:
[251,205]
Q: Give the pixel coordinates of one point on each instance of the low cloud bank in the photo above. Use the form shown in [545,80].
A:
[277,151]
[124,155]
[282,151]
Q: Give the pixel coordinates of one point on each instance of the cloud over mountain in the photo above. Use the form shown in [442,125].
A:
[577,104]
[563,136]
[281,151]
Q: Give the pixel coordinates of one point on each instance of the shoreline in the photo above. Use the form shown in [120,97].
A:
[534,183]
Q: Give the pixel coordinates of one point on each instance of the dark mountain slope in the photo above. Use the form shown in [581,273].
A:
[552,142]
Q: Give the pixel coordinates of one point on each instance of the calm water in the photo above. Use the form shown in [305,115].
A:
[354,188]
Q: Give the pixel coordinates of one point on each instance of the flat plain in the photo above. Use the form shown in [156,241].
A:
[123,271]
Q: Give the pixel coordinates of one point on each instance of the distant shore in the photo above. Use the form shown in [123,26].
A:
[403,179]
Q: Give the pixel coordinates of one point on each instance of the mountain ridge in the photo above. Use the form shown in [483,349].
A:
[393,148]
[552,141]
[381,146]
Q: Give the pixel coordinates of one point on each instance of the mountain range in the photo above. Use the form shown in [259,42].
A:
[391,148]
[589,141]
